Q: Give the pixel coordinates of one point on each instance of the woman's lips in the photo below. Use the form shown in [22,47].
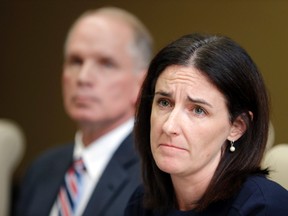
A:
[172,146]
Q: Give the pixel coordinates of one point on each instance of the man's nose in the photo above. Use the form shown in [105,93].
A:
[86,72]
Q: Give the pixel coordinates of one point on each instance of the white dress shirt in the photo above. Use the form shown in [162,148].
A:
[96,157]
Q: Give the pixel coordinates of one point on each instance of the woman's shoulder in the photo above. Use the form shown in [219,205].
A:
[261,196]
[135,205]
[268,188]
[137,196]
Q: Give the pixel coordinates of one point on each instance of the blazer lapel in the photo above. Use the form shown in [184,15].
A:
[47,190]
[113,179]
[106,189]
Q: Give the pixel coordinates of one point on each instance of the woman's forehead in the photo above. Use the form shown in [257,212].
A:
[189,76]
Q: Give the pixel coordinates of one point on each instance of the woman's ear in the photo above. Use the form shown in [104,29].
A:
[239,127]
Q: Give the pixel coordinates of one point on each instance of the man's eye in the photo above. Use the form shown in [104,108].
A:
[74,60]
[109,63]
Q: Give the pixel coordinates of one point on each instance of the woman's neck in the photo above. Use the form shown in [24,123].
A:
[189,192]
[190,189]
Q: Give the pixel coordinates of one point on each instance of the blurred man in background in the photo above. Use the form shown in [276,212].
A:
[107,52]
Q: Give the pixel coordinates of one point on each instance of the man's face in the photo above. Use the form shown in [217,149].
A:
[99,80]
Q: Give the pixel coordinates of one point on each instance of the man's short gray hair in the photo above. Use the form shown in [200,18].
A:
[142,46]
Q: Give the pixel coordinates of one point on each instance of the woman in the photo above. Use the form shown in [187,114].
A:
[201,130]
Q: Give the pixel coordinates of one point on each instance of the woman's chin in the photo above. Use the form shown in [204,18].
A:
[168,166]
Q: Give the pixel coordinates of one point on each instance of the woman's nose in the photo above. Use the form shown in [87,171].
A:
[172,124]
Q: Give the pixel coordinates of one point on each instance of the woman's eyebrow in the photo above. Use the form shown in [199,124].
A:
[199,101]
[163,93]
[193,100]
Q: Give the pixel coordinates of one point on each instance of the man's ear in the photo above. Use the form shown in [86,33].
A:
[139,78]
[238,127]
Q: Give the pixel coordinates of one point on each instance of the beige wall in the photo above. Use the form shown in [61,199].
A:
[32,34]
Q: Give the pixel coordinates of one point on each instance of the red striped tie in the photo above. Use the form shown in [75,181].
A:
[70,191]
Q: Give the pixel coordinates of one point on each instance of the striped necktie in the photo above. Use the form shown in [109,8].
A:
[70,190]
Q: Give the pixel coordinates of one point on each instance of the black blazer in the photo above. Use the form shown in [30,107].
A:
[43,179]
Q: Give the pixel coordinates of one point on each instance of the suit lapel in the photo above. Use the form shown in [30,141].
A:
[51,181]
[106,189]
[113,179]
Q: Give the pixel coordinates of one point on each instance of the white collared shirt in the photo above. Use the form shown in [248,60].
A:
[96,157]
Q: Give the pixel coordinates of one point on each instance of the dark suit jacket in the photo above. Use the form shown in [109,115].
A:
[42,182]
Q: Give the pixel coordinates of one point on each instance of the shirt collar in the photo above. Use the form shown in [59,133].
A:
[97,155]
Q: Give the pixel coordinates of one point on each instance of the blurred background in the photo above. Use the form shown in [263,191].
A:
[31,46]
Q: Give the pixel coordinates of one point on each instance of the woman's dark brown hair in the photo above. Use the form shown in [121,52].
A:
[233,72]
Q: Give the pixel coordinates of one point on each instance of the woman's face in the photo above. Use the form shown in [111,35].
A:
[189,123]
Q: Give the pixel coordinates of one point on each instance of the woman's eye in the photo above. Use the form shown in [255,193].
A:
[199,110]
[164,103]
